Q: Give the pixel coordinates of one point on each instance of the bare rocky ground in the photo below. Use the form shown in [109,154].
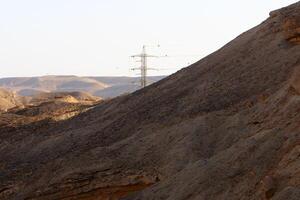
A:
[45,106]
[226,127]
[9,99]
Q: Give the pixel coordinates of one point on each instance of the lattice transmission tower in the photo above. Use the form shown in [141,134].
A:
[144,65]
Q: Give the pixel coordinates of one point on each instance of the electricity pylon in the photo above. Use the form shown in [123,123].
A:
[144,65]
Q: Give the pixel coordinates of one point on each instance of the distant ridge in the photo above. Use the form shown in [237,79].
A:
[104,87]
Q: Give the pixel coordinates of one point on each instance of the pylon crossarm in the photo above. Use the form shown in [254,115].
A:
[152,56]
[153,69]
[138,55]
[138,68]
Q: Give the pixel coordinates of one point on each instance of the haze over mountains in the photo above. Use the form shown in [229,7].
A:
[226,127]
[105,87]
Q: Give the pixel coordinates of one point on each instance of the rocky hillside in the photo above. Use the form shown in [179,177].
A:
[48,108]
[226,127]
[9,100]
[68,97]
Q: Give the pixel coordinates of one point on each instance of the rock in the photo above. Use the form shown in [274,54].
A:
[226,127]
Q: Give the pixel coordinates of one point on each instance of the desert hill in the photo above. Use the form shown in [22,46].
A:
[226,127]
[34,85]
[48,107]
[69,97]
[9,100]
[107,87]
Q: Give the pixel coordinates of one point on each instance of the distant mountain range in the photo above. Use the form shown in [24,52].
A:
[105,87]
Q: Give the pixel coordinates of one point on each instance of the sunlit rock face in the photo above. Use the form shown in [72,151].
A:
[292,30]
[289,18]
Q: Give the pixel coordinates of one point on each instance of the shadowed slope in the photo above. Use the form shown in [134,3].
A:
[224,128]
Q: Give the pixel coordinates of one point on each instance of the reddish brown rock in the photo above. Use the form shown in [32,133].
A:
[214,130]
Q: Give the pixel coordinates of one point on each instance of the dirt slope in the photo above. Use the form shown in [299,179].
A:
[226,127]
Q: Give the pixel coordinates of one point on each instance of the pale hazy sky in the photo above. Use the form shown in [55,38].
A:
[97,37]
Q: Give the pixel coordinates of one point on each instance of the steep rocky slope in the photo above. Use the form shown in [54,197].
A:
[226,127]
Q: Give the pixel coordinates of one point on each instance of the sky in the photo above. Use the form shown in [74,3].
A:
[97,37]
